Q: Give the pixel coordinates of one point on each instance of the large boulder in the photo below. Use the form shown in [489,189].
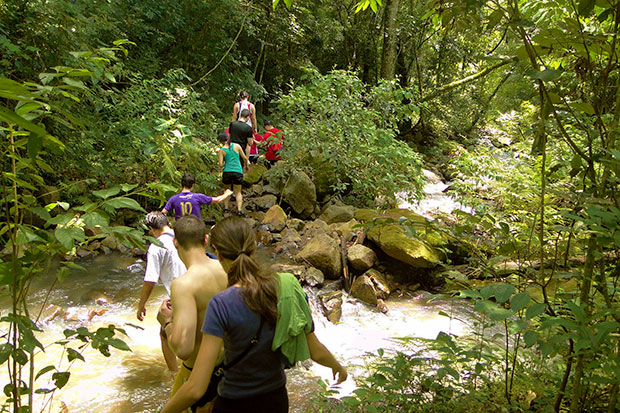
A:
[275,219]
[361,258]
[364,290]
[331,304]
[323,252]
[337,213]
[392,238]
[315,228]
[254,174]
[299,192]
[394,242]
[265,202]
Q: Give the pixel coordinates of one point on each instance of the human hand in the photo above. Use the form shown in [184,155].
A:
[340,373]
[228,192]
[141,313]
[165,312]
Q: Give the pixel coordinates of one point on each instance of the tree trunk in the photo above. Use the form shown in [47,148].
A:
[388,55]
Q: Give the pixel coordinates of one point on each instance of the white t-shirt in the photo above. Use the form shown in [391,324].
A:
[244,104]
[163,264]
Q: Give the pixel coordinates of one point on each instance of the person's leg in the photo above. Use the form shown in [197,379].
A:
[238,196]
[169,356]
[226,183]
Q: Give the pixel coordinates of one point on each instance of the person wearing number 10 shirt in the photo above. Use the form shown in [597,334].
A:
[188,203]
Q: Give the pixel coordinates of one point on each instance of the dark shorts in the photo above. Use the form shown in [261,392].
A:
[232,178]
[276,401]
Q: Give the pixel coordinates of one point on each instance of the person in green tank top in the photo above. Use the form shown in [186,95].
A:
[231,156]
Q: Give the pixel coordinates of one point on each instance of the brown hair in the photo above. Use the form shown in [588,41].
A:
[233,239]
[189,231]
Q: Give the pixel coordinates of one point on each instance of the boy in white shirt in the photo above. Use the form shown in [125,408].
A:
[164,265]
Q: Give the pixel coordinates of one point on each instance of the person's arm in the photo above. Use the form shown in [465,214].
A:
[164,211]
[193,389]
[254,125]
[147,288]
[218,199]
[235,111]
[220,157]
[320,354]
[179,323]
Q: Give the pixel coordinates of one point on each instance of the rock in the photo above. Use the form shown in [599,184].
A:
[296,270]
[276,177]
[323,252]
[276,237]
[504,268]
[254,174]
[299,192]
[94,231]
[395,243]
[364,289]
[258,190]
[96,313]
[306,275]
[331,303]
[296,224]
[52,312]
[258,216]
[336,213]
[382,287]
[316,227]
[265,202]
[313,277]
[84,253]
[275,219]
[290,235]
[381,306]
[264,237]
[111,243]
[268,189]
[346,229]
[361,258]
[251,222]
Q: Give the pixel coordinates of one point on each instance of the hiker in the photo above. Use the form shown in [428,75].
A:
[182,315]
[240,133]
[273,139]
[187,202]
[164,265]
[257,312]
[244,103]
[231,156]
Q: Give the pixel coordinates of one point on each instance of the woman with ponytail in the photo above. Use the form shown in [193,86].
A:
[243,319]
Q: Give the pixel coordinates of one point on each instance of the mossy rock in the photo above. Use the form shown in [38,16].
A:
[395,243]
[254,174]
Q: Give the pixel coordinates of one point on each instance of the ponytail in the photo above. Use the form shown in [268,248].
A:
[235,240]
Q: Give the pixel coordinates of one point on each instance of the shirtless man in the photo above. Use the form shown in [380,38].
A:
[181,316]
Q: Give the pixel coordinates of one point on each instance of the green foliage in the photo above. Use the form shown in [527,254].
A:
[337,127]
[31,246]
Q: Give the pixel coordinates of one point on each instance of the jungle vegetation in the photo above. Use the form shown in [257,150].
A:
[105,103]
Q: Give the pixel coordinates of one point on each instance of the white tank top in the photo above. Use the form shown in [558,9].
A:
[244,104]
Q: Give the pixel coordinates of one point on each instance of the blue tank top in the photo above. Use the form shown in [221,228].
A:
[232,161]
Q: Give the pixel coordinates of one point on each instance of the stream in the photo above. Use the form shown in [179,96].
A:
[138,381]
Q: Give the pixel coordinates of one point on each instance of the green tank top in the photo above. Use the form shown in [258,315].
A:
[232,161]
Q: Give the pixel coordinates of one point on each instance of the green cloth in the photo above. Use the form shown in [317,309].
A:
[294,320]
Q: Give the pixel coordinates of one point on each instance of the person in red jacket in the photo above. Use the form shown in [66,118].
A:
[273,140]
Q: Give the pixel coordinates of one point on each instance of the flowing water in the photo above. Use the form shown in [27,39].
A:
[138,381]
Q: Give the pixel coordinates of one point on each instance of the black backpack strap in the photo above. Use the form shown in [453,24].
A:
[253,342]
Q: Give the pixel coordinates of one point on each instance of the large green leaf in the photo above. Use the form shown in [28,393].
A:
[124,202]
[546,75]
[108,192]
[520,301]
[66,236]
